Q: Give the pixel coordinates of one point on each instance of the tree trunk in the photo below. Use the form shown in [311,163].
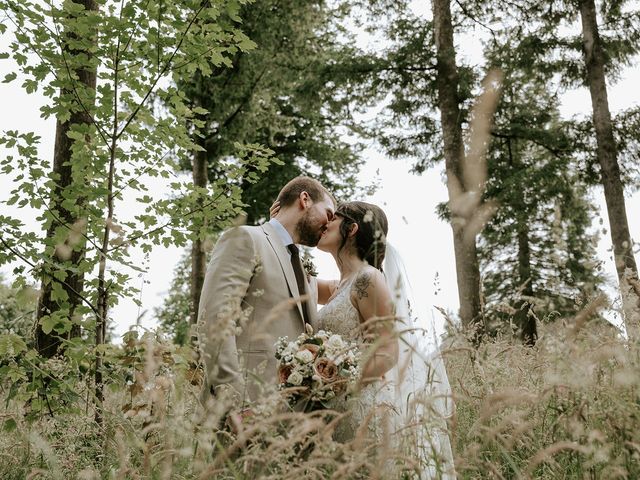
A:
[526,322]
[607,157]
[69,255]
[198,256]
[467,268]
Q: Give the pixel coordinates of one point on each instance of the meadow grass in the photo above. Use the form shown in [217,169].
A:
[567,408]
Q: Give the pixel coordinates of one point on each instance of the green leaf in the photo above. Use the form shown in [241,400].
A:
[58,293]
[9,77]
[9,425]
[48,322]
[30,86]
[11,345]
[244,42]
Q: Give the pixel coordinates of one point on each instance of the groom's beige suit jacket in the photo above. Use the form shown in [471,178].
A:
[249,299]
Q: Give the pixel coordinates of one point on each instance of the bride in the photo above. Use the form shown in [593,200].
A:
[359,307]
[404,394]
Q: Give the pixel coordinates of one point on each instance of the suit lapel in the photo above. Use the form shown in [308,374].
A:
[285,262]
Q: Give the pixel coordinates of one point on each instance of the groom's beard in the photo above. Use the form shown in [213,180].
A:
[309,230]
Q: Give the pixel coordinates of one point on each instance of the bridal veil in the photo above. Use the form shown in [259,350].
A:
[422,394]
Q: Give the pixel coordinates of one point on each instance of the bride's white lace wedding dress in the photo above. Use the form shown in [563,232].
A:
[341,317]
[382,410]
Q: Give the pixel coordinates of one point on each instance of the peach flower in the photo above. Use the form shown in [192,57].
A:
[312,347]
[326,369]
[283,373]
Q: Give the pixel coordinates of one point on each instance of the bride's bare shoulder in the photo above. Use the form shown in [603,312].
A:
[369,282]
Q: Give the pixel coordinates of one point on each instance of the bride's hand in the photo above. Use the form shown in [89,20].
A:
[274,209]
[326,290]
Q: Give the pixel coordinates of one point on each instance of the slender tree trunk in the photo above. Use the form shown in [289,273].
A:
[68,219]
[198,256]
[103,290]
[467,268]
[526,322]
[607,157]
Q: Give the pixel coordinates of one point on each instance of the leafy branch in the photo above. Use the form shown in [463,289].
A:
[34,267]
[161,74]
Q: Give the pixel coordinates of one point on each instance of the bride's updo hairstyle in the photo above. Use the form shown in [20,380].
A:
[371,237]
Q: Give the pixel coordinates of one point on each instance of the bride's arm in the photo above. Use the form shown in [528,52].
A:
[325,290]
[371,297]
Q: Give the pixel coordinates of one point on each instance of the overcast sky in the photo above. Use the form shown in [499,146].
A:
[409,201]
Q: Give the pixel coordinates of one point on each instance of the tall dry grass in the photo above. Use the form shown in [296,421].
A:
[568,408]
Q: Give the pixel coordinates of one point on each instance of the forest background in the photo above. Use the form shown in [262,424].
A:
[381,179]
[211,95]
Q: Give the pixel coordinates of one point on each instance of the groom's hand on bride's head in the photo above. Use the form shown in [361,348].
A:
[274,209]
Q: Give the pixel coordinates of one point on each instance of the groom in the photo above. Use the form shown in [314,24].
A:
[251,293]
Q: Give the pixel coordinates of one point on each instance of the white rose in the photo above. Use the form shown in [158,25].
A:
[290,349]
[295,378]
[322,335]
[335,342]
[304,356]
[338,359]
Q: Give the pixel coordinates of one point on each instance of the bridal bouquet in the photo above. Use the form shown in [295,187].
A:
[316,368]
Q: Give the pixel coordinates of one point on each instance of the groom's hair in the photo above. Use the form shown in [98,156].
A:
[292,190]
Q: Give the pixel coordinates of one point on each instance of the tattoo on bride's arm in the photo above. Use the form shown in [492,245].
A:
[362,284]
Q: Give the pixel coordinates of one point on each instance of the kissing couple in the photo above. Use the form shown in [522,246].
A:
[256,290]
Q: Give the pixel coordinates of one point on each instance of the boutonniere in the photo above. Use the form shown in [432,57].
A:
[309,267]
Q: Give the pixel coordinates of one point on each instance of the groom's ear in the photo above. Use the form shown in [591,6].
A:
[304,200]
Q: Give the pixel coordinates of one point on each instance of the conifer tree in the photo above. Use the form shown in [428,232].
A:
[587,58]
[537,251]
